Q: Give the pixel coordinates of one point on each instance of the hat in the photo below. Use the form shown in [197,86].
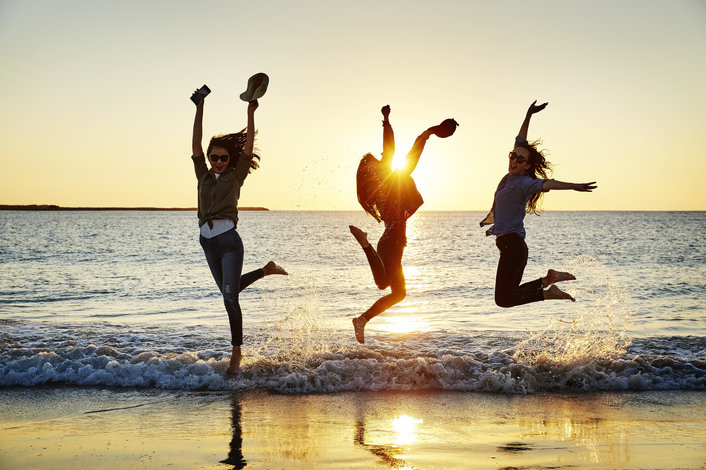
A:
[257,86]
[445,129]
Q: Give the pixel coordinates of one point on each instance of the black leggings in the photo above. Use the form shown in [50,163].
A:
[386,265]
[513,259]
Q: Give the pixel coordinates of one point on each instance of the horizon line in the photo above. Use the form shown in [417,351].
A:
[54,207]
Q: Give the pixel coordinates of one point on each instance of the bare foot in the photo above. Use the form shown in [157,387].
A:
[359,328]
[274,268]
[556,276]
[360,236]
[555,293]
[235,358]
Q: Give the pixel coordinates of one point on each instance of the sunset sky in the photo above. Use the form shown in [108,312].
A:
[96,112]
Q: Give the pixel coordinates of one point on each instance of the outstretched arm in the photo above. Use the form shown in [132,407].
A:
[196,136]
[250,132]
[534,108]
[388,138]
[583,187]
[412,158]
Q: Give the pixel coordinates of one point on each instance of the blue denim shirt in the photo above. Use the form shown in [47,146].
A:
[510,202]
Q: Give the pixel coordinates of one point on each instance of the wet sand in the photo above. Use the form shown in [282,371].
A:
[68,428]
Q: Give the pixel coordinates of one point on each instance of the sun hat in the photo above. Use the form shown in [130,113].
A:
[445,129]
[257,86]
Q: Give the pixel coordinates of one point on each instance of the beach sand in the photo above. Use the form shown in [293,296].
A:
[87,428]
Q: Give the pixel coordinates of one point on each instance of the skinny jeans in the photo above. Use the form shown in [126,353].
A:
[513,259]
[224,254]
[386,266]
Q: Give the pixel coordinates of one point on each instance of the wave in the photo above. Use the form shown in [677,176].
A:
[394,365]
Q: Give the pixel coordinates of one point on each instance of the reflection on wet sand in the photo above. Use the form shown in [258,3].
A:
[387,453]
[601,432]
[391,453]
[235,454]
[61,428]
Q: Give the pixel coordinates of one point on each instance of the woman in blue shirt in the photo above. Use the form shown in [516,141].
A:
[517,194]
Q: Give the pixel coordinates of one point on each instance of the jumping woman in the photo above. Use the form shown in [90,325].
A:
[390,196]
[517,194]
[231,159]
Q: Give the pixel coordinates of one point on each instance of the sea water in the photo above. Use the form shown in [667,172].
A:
[125,298]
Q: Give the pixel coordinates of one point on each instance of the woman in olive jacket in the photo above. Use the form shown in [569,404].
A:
[231,159]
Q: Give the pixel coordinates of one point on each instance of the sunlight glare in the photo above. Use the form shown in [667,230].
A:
[404,325]
[405,427]
[398,162]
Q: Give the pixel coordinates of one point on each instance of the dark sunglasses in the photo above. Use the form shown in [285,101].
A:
[519,159]
[214,158]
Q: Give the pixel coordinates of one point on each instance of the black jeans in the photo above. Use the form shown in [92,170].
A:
[224,254]
[386,265]
[513,259]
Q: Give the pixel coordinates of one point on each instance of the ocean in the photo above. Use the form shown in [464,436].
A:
[125,299]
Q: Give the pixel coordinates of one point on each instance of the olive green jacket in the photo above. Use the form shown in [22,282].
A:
[218,197]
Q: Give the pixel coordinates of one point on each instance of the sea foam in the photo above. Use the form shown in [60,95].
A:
[385,364]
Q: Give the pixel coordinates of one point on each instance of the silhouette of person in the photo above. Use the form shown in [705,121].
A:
[390,196]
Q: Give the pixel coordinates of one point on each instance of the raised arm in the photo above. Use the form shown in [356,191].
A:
[388,138]
[583,187]
[412,158]
[250,132]
[197,135]
[534,108]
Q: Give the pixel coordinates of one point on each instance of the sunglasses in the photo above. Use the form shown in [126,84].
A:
[214,158]
[519,159]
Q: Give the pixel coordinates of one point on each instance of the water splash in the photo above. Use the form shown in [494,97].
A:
[299,334]
[596,327]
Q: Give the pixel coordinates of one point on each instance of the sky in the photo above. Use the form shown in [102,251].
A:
[96,111]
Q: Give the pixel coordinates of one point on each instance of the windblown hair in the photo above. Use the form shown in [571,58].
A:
[540,167]
[367,187]
[234,143]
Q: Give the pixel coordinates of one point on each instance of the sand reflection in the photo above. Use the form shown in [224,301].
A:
[68,428]
[601,432]
[235,454]
[405,427]
[388,439]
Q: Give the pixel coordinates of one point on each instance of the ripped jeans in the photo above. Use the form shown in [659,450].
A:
[224,254]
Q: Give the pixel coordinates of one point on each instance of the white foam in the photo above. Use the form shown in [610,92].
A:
[301,354]
[374,368]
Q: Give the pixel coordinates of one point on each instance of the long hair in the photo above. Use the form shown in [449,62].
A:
[368,185]
[539,167]
[234,143]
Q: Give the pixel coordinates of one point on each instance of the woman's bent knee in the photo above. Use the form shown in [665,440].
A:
[503,302]
[398,295]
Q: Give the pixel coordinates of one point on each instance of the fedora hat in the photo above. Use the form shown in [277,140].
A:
[257,86]
[445,129]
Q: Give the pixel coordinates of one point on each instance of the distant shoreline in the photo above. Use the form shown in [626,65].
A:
[52,207]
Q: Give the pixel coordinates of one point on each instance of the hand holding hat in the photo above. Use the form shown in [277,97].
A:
[445,129]
[257,86]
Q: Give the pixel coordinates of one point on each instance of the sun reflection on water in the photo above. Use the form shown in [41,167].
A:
[402,325]
[405,428]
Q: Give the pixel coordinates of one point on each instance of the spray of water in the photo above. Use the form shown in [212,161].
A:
[299,334]
[595,328]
